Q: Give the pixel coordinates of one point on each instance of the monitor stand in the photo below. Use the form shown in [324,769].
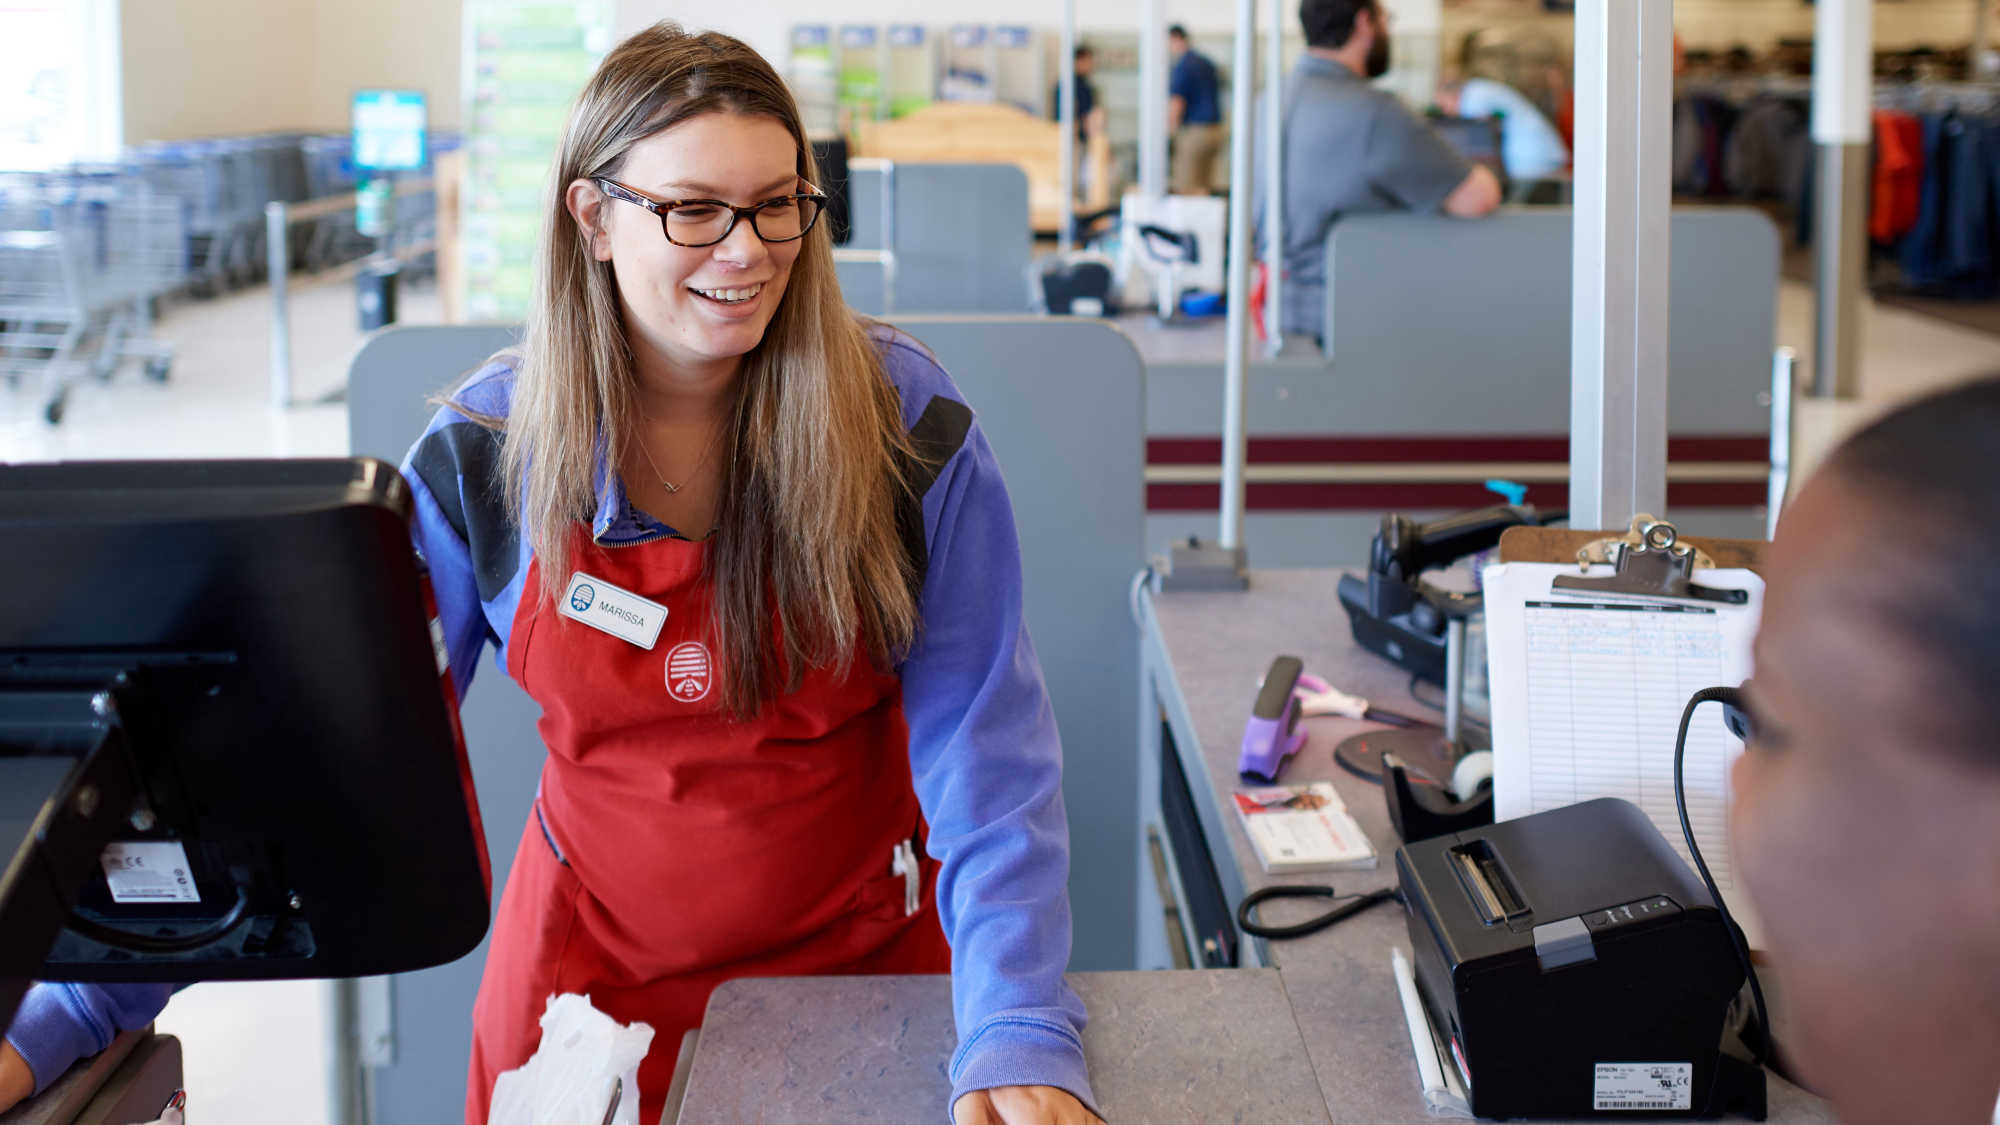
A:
[66,788]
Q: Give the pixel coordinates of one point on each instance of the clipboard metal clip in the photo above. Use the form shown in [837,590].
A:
[1651,562]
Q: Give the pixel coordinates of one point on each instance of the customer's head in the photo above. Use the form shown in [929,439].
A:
[1177,40]
[1357,30]
[1086,59]
[1867,810]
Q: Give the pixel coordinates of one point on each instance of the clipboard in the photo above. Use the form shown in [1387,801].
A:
[1590,672]
[1561,544]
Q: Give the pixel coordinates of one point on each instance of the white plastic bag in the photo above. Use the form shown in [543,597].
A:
[583,1055]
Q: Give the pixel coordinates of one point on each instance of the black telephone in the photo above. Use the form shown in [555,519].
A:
[1400,616]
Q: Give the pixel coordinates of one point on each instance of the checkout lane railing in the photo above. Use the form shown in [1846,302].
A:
[405,244]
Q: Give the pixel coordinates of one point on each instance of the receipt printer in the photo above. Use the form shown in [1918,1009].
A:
[1572,965]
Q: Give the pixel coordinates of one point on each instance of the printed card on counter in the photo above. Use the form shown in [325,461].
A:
[1303,828]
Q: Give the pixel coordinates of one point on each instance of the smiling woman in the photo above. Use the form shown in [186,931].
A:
[754,559]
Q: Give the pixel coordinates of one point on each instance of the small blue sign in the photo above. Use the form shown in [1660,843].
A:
[582,598]
[389,127]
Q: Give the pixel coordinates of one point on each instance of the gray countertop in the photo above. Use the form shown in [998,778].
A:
[1210,1046]
[1320,1039]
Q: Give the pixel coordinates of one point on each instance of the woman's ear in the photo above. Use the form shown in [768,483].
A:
[586,207]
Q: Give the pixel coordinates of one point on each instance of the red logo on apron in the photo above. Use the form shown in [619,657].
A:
[689,672]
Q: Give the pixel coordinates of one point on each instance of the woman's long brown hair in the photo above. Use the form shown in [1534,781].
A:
[806,563]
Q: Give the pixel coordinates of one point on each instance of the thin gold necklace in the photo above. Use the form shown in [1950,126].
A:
[671,487]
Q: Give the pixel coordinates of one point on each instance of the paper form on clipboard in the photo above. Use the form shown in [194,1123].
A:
[1587,695]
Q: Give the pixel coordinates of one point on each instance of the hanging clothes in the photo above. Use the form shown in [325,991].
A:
[1766,150]
[1898,178]
[1950,252]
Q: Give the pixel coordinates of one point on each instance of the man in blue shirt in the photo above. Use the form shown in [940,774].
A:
[1529,144]
[1194,116]
[1087,116]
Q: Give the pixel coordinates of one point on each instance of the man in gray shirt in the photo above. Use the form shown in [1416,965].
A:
[1350,147]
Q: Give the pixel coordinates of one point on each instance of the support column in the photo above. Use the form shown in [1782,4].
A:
[1066,115]
[1153,98]
[1843,92]
[1274,180]
[1621,261]
[1982,37]
[1242,248]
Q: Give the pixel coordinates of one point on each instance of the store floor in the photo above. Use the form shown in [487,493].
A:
[256,1052]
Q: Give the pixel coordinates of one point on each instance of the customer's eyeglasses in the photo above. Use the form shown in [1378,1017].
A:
[705,222]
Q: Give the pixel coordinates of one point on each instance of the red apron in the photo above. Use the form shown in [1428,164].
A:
[694,849]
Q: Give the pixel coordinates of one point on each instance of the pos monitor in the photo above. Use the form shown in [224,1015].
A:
[229,748]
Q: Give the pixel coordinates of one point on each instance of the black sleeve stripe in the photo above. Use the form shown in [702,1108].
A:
[467,452]
[937,437]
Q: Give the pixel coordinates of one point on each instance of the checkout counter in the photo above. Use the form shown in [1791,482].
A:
[1323,1038]
[129,1082]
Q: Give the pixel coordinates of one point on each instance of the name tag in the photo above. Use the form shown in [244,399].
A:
[605,607]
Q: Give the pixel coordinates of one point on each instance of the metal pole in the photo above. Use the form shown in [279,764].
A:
[1066,110]
[1784,386]
[1843,89]
[1618,374]
[1982,38]
[343,1064]
[1153,98]
[1274,181]
[889,236]
[281,326]
[1242,182]
[1454,679]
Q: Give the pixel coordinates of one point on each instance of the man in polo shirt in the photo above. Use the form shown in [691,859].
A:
[1350,148]
[1194,115]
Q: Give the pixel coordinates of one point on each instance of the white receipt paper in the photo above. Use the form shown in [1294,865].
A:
[1444,1094]
[1588,692]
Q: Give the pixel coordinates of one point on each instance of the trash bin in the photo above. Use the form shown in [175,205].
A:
[375,295]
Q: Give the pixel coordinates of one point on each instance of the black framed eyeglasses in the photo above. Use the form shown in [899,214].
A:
[705,222]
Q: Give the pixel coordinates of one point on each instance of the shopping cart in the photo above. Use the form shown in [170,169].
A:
[83,256]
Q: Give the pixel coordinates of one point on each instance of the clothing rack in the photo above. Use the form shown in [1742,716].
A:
[1977,98]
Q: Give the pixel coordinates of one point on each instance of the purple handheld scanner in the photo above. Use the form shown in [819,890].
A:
[1272,733]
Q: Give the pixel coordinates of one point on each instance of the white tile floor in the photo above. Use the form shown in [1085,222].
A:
[252,1048]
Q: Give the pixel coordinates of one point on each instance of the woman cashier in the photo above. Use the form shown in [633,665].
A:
[754,558]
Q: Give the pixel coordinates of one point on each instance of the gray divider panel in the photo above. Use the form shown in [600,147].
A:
[962,240]
[1446,328]
[389,385]
[1439,305]
[1061,403]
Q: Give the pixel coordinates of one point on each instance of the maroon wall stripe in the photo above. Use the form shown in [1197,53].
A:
[1378,497]
[1432,450]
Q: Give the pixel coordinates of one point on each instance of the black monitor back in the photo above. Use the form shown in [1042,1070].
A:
[255,637]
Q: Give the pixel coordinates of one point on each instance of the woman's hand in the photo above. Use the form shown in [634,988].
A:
[17,1081]
[1022,1105]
